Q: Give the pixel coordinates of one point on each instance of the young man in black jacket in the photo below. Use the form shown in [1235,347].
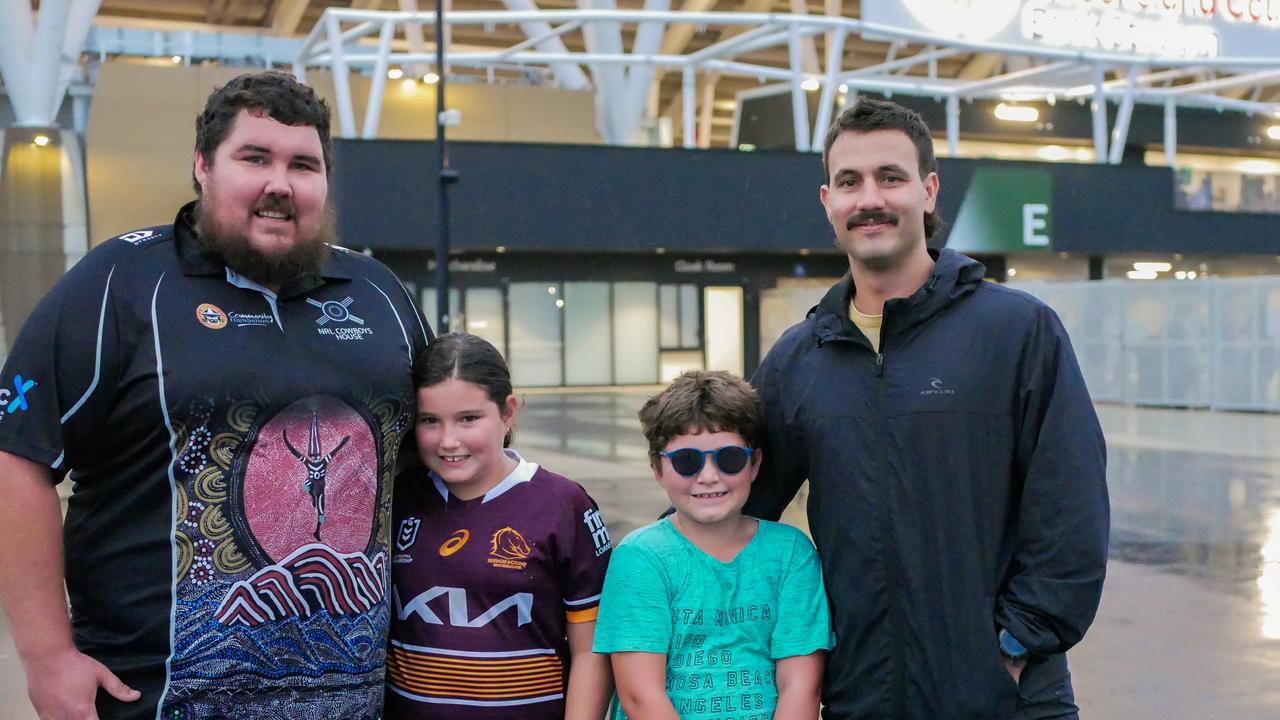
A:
[957,469]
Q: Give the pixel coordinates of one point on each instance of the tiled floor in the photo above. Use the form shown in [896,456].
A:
[1190,621]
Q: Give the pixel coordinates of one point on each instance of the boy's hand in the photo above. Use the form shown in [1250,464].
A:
[1015,668]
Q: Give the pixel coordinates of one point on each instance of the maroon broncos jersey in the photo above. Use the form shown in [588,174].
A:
[483,591]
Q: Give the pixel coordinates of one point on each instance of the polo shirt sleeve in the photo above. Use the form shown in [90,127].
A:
[635,612]
[584,557]
[56,387]
[804,620]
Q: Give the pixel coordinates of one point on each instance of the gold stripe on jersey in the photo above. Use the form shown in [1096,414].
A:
[475,678]
[582,616]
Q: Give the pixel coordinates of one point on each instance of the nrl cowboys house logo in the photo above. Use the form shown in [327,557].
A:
[336,319]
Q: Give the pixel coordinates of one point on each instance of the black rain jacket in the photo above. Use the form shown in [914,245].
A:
[957,486]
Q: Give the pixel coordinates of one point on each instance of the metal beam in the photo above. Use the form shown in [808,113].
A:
[373,111]
[1099,108]
[1014,77]
[835,53]
[648,40]
[17,29]
[568,75]
[1120,133]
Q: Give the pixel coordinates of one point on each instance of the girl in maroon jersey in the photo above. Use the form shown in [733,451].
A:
[498,563]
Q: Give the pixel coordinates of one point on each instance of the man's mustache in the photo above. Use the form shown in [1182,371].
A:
[871,217]
[275,203]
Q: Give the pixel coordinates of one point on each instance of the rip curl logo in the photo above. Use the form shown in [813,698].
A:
[936,387]
[16,400]
[211,316]
[508,549]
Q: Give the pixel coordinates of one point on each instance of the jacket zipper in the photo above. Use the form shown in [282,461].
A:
[895,582]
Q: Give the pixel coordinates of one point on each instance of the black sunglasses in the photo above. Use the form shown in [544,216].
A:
[731,459]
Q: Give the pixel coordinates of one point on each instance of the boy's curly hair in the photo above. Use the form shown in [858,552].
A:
[702,401]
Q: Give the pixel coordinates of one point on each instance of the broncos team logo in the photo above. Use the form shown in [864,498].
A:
[508,549]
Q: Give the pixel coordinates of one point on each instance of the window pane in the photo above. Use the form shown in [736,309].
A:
[485,316]
[588,356]
[669,316]
[690,328]
[429,308]
[535,334]
[635,350]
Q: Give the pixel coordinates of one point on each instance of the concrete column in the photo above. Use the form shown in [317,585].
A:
[43,224]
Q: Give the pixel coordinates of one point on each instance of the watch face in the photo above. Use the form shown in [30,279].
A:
[1010,647]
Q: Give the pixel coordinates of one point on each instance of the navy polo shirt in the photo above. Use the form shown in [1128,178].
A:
[232,452]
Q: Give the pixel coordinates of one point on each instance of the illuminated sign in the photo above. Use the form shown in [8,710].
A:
[1174,29]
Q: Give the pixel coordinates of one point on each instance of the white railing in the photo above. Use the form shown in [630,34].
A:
[1211,343]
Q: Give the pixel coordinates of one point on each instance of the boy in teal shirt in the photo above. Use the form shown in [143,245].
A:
[707,613]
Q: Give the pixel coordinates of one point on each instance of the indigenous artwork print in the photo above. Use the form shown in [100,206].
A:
[281,557]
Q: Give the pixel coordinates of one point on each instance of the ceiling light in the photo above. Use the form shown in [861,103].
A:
[551,289]
[431,78]
[1080,91]
[1017,113]
[395,73]
[1152,267]
[559,303]
[810,84]
[1191,275]
[1140,275]
[1054,153]
[844,89]
[1273,132]
[1258,167]
[40,140]
[176,59]
[1011,272]
[1181,274]
[500,249]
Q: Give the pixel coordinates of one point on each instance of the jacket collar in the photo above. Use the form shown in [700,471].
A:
[954,276]
[197,259]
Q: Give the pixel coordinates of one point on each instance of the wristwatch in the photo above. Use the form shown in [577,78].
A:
[1010,647]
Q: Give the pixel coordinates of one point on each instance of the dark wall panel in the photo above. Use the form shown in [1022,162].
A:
[575,198]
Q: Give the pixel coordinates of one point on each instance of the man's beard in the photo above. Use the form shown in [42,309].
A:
[304,257]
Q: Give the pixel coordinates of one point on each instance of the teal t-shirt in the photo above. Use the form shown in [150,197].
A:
[721,625]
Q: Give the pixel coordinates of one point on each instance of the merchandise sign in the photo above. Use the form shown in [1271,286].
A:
[1157,29]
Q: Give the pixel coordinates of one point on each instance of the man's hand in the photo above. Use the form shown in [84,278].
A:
[64,686]
[1015,668]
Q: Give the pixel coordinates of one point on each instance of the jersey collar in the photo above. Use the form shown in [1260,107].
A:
[523,473]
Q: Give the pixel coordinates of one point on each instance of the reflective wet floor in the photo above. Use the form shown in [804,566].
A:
[1189,626]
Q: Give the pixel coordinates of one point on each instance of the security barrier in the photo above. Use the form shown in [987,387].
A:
[1212,343]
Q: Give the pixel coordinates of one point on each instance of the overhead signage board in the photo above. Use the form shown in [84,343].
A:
[1177,30]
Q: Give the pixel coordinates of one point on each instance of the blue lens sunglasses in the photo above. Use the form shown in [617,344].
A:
[730,459]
